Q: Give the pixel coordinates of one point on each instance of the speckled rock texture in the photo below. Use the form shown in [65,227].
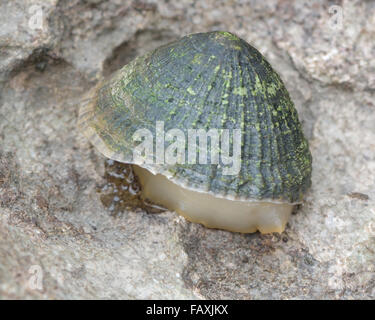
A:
[57,238]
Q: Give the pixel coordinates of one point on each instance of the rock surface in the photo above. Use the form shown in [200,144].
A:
[58,240]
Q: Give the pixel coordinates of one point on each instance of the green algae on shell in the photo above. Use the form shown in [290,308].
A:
[203,81]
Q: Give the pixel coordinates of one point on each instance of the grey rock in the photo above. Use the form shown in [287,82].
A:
[58,240]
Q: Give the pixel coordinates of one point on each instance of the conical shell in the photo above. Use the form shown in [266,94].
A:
[204,81]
